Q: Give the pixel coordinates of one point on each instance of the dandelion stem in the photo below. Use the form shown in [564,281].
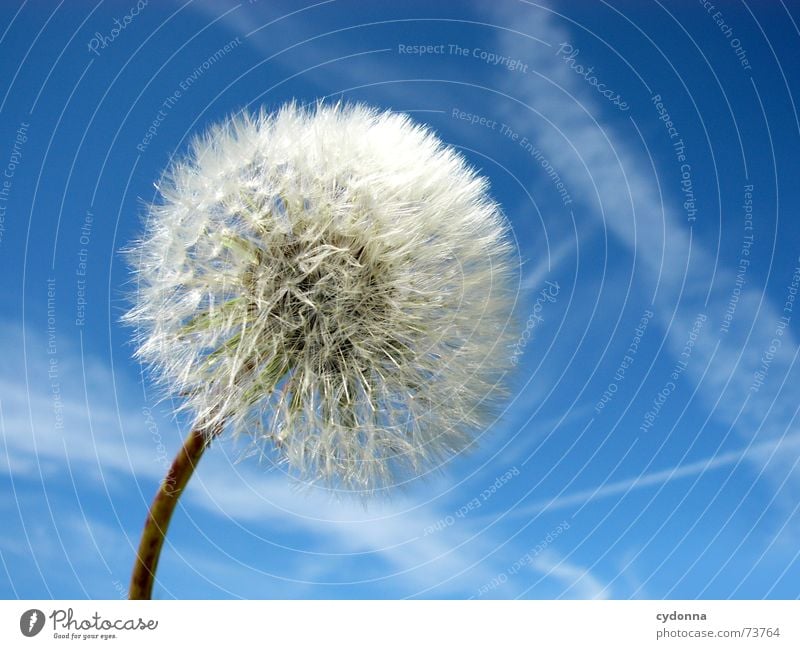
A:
[158,518]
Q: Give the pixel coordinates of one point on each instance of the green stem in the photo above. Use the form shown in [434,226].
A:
[155,527]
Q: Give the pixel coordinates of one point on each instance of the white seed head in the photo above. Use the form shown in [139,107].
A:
[333,280]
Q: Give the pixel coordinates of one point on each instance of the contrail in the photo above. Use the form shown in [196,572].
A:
[657,477]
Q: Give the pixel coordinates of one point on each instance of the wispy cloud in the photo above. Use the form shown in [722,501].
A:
[762,454]
[577,581]
[91,446]
[59,413]
[606,167]
[393,533]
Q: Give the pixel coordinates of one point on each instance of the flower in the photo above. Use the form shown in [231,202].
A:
[334,280]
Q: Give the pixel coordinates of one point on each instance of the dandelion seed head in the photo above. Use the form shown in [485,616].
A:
[334,282]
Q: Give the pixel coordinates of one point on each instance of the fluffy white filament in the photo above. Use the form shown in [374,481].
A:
[334,280]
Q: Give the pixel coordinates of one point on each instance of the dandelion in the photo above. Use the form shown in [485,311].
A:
[333,283]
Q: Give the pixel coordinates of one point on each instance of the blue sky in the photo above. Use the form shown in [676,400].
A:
[645,155]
